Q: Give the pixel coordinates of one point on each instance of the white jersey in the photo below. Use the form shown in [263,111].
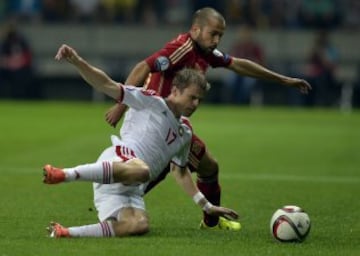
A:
[152,132]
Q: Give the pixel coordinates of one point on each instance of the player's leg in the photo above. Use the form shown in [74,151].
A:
[207,169]
[132,171]
[105,171]
[119,215]
[159,178]
[127,208]
[208,183]
[133,222]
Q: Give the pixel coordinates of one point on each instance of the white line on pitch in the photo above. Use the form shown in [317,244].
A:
[284,177]
[223,175]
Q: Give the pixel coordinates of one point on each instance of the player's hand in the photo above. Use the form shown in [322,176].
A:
[68,53]
[301,84]
[224,212]
[114,114]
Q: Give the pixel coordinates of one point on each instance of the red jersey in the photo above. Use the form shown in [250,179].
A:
[177,54]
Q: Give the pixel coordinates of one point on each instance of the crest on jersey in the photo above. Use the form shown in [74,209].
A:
[196,147]
[162,63]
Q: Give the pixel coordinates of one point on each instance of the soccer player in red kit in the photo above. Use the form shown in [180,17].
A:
[198,49]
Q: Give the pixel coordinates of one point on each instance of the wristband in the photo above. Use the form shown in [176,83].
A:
[207,207]
[198,197]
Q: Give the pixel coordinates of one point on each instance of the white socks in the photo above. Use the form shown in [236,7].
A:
[102,229]
[99,172]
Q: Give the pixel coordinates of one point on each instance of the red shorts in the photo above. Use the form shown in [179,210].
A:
[197,151]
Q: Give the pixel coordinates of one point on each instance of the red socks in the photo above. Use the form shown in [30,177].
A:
[212,192]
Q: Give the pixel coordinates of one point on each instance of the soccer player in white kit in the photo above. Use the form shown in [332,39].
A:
[155,132]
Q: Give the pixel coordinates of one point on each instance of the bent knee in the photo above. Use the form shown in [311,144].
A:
[141,228]
[208,166]
[131,227]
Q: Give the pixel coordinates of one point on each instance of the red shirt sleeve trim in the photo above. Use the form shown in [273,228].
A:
[121,98]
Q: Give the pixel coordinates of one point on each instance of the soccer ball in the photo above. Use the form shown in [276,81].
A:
[290,224]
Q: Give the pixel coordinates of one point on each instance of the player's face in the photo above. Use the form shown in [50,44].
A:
[189,99]
[209,36]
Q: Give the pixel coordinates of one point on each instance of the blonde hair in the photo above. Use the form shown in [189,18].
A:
[187,76]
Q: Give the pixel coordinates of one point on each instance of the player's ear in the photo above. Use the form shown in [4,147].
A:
[195,30]
[174,90]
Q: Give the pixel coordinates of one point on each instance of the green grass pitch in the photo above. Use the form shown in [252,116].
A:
[268,157]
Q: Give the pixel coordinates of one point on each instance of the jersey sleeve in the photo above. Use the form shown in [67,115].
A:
[181,159]
[171,55]
[158,61]
[138,98]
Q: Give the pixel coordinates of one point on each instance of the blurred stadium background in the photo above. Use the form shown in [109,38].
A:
[269,156]
[115,34]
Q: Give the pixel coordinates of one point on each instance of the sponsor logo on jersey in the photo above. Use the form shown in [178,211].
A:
[196,147]
[162,63]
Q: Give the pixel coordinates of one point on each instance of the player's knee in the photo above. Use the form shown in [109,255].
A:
[214,166]
[141,227]
[131,227]
[208,167]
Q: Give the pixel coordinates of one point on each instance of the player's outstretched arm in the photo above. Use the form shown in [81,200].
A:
[138,74]
[136,77]
[184,179]
[95,77]
[249,68]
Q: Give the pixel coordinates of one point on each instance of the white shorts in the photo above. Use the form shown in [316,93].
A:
[110,205]
[109,199]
